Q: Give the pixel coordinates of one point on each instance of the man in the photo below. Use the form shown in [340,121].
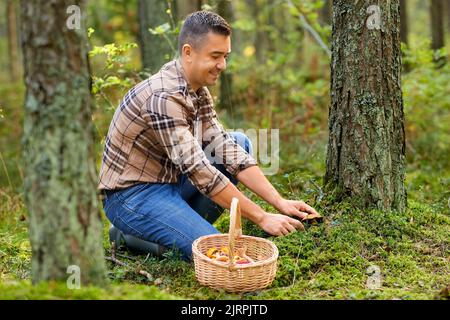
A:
[159,185]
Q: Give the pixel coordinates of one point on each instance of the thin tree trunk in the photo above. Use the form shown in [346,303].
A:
[155,50]
[448,15]
[366,148]
[325,13]
[403,21]
[225,10]
[12,40]
[60,176]
[185,7]
[437,24]
[261,40]
[261,37]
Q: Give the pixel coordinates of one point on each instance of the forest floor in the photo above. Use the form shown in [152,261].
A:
[333,260]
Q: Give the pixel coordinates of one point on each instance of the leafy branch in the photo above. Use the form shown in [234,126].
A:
[117,56]
[304,22]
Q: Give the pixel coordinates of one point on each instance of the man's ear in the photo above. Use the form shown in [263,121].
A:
[187,52]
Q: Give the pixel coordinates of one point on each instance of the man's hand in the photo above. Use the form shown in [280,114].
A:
[295,208]
[254,179]
[279,225]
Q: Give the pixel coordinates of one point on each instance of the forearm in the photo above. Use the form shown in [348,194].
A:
[254,179]
[274,224]
[249,209]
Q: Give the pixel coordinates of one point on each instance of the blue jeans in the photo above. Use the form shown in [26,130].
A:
[170,214]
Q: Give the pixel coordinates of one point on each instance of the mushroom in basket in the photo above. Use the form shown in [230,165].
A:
[221,255]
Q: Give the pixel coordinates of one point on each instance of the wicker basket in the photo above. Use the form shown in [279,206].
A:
[230,276]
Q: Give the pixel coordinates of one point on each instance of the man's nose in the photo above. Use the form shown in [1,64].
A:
[222,65]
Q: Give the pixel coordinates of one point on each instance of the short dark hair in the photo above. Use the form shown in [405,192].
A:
[198,24]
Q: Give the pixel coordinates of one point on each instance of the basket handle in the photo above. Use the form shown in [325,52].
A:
[235,228]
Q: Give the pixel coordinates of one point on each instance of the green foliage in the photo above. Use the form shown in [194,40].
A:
[15,248]
[110,81]
[114,21]
[426,93]
[159,30]
[116,60]
[309,9]
[11,118]
[114,53]
[169,31]
[112,76]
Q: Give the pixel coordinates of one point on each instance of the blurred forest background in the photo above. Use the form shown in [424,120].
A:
[278,76]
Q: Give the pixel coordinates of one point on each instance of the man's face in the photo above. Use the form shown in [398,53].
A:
[208,60]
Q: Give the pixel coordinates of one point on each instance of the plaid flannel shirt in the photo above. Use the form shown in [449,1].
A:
[152,137]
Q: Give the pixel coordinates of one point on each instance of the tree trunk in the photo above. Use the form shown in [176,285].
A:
[185,7]
[12,40]
[403,21]
[448,15]
[225,10]
[325,13]
[261,40]
[366,148]
[437,24]
[60,176]
[155,50]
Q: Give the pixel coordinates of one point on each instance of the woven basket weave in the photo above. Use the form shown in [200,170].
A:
[230,276]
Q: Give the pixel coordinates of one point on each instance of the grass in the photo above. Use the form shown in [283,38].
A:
[11,117]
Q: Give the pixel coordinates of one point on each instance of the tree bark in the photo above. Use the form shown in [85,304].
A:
[155,50]
[12,40]
[60,177]
[366,149]
[437,24]
[225,10]
[403,21]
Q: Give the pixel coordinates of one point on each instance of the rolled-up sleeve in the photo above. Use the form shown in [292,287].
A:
[171,130]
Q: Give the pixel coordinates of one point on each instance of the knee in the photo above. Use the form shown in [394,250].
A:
[243,140]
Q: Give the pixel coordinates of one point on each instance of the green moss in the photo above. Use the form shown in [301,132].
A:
[330,261]
[53,290]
